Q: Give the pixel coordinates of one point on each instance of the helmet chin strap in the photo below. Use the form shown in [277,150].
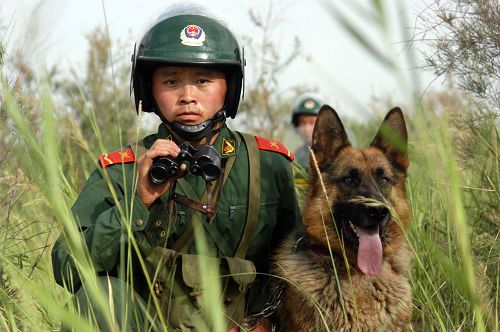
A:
[198,131]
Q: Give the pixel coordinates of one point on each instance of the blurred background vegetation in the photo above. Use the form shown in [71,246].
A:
[454,151]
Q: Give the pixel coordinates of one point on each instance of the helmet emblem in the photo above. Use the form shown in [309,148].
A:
[192,35]
[309,104]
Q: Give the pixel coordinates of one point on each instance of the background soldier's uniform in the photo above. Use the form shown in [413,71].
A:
[102,226]
[301,155]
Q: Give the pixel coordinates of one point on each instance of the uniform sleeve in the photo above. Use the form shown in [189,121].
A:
[101,220]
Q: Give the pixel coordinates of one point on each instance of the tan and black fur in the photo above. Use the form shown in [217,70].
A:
[346,269]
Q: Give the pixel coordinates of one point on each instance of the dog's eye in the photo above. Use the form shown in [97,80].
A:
[348,180]
[383,181]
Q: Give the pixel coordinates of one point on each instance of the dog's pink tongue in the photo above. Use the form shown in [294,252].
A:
[369,251]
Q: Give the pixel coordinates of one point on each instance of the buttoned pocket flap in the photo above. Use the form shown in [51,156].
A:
[241,270]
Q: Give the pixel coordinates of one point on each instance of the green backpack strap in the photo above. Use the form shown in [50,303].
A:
[253,209]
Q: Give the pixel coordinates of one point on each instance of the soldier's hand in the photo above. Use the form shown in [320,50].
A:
[147,191]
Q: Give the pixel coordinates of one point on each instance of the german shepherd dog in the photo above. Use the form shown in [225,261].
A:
[345,269]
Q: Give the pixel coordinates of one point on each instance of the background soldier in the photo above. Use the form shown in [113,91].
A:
[304,116]
[238,189]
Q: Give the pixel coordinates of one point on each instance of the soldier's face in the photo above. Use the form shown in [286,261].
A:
[305,127]
[190,95]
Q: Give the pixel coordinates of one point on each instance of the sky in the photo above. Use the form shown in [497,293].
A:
[339,69]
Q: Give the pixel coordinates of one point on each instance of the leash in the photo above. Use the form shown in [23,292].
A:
[252,321]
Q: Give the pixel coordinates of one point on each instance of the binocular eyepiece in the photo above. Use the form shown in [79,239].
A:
[203,161]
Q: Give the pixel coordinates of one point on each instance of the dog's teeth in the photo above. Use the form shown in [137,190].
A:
[355,230]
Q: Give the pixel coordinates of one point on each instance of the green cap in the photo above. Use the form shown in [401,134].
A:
[188,35]
[307,105]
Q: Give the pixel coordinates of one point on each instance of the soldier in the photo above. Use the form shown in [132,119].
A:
[238,190]
[303,119]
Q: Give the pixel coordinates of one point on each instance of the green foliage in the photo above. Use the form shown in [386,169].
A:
[100,97]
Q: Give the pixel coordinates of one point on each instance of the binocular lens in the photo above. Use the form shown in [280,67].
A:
[159,173]
[211,172]
[195,169]
[204,161]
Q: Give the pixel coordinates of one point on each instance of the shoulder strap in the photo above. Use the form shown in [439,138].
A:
[253,209]
[117,157]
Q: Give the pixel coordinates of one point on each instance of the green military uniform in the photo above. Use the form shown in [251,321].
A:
[103,229]
[302,156]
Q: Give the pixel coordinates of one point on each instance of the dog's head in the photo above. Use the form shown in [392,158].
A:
[357,203]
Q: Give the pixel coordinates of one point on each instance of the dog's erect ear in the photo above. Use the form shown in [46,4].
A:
[392,138]
[329,136]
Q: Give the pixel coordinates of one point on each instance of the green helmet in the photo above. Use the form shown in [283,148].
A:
[189,35]
[307,105]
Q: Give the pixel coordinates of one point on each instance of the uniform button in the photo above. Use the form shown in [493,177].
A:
[163,233]
[139,222]
[158,223]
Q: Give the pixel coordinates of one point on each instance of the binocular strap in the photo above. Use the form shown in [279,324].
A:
[206,208]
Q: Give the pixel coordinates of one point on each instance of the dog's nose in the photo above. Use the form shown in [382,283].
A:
[378,213]
[373,215]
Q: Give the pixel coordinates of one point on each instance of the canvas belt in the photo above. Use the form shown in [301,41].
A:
[187,237]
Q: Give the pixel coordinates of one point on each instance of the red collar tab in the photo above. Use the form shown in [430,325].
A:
[117,157]
[275,146]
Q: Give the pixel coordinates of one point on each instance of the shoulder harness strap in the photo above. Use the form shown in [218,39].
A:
[253,209]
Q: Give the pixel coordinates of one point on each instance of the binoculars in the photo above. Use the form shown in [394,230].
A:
[204,161]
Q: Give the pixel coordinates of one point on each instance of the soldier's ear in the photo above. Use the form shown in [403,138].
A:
[392,138]
[329,136]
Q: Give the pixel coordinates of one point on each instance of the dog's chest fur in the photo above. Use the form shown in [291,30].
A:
[361,303]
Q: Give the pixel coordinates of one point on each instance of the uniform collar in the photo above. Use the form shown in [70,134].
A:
[163,132]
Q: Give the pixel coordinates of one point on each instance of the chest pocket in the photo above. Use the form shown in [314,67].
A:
[180,287]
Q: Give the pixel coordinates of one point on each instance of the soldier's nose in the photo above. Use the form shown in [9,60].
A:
[187,95]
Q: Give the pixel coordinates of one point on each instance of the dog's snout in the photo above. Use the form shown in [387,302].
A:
[378,212]
[363,214]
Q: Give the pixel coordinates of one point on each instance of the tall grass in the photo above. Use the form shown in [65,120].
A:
[454,190]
